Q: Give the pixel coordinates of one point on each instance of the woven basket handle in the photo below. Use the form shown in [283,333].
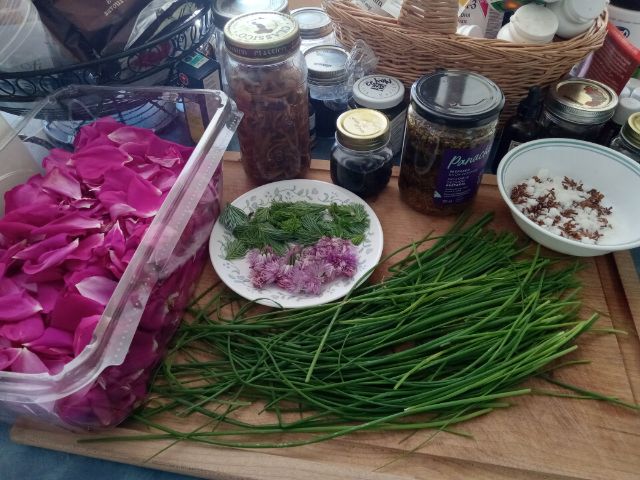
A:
[430,16]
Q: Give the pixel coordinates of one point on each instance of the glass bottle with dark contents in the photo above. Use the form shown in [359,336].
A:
[451,124]
[577,108]
[328,90]
[628,140]
[361,159]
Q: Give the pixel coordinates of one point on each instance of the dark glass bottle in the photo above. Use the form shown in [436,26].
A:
[522,127]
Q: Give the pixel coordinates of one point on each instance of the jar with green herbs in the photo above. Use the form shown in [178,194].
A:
[451,124]
[267,79]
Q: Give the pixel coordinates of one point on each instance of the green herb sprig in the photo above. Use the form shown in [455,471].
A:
[283,223]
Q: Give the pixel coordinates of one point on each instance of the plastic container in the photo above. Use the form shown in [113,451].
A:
[626,16]
[530,24]
[25,43]
[478,14]
[101,386]
[361,160]
[316,27]
[225,10]
[576,16]
[18,165]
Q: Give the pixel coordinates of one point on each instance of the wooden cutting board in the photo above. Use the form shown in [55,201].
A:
[538,437]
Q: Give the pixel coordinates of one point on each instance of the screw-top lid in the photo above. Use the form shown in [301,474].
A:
[631,130]
[327,65]
[457,98]
[313,22]
[535,23]
[530,107]
[626,107]
[225,10]
[583,101]
[362,129]
[256,37]
[581,11]
[378,92]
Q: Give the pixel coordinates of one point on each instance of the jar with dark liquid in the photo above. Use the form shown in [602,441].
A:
[361,159]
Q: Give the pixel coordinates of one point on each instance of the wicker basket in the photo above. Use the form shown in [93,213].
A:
[422,40]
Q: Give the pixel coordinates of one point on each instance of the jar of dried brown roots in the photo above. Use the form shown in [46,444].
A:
[267,78]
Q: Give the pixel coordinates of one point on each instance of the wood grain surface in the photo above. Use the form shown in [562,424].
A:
[538,437]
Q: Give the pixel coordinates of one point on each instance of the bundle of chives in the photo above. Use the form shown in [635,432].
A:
[455,329]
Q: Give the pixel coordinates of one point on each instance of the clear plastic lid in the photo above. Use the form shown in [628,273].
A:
[379,92]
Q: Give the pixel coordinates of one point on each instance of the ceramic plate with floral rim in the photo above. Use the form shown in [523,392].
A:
[235,273]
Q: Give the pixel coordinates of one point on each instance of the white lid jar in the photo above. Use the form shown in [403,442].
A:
[530,24]
[576,16]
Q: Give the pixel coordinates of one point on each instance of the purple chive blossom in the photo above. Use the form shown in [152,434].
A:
[304,270]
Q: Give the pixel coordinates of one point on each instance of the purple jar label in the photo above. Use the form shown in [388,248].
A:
[460,174]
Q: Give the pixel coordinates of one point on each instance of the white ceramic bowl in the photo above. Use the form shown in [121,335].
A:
[616,176]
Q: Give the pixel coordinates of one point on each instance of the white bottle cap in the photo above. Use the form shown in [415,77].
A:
[626,107]
[378,92]
[626,92]
[473,31]
[635,93]
[535,23]
[633,83]
[583,11]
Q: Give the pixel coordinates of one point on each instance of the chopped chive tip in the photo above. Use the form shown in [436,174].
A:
[283,223]
[460,323]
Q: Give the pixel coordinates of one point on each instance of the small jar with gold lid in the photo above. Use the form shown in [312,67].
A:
[361,159]
[628,141]
[267,79]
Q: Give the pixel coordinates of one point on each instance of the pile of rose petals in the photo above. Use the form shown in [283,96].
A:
[68,235]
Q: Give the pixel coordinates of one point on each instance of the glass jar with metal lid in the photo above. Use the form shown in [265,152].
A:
[361,160]
[267,79]
[451,124]
[316,27]
[225,10]
[328,90]
[628,141]
[385,94]
[577,108]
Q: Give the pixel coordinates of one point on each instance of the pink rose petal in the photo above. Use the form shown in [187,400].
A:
[18,306]
[50,259]
[23,331]
[72,223]
[92,163]
[71,308]
[28,362]
[62,183]
[8,355]
[84,333]
[52,342]
[98,289]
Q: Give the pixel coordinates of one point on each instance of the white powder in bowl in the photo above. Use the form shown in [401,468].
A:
[563,206]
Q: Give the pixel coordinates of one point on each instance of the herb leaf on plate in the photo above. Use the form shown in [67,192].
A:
[283,223]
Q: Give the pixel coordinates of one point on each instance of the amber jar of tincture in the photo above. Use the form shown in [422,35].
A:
[361,159]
